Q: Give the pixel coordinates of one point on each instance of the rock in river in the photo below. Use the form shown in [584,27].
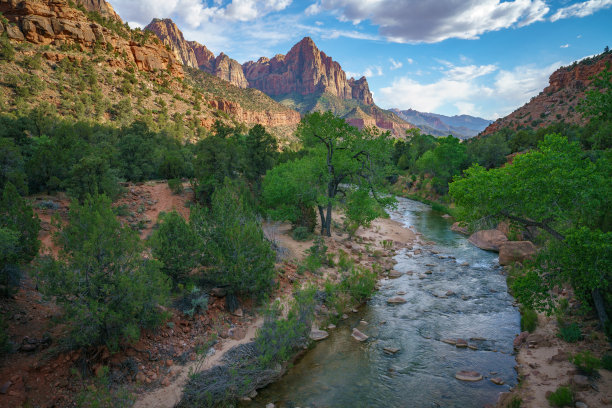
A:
[317,335]
[359,336]
[396,300]
[468,376]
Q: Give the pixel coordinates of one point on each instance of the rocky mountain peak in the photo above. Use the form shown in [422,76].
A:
[100,6]
[171,35]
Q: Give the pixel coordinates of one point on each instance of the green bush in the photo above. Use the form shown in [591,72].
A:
[562,397]
[529,319]
[606,362]
[175,185]
[360,284]
[570,332]
[175,245]
[101,394]
[316,255]
[586,362]
[300,234]
[7,51]
[345,263]
[278,339]
[236,252]
[107,289]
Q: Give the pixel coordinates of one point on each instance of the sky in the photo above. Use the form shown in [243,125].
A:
[477,57]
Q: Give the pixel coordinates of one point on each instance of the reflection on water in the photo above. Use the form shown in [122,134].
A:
[340,372]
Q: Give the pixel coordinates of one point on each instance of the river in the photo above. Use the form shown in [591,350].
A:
[341,372]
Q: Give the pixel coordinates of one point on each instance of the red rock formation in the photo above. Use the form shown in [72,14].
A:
[557,102]
[265,118]
[170,35]
[305,70]
[204,57]
[229,70]
[56,22]
[101,7]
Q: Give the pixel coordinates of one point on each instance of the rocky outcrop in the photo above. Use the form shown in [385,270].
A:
[265,118]
[489,240]
[205,59]
[55,22]
[305,70]
[516,251]
[101,7]
[558,101]
[171,36]
[229,70]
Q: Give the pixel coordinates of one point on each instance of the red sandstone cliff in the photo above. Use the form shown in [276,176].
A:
[56,22]
[558,101]
[171,36]
[101,7]
[305,70]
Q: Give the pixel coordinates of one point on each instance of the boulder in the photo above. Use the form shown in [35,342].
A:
[457,227]
[497,381]
[318,335]
[359,336]
[581,382]
[489,240]
[516,251]
[396,300]
[520,339]
[391,350]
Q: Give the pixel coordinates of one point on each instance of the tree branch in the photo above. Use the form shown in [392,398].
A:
[530,223]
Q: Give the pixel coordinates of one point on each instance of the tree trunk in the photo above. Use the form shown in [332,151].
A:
[329,219]
[600,308]
[322,215]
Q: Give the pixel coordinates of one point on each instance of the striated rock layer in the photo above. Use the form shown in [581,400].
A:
[101,7]
[171,36]
[56,22]
[305,70]
[558,101]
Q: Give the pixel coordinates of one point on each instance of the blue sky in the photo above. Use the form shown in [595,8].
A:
[478,57]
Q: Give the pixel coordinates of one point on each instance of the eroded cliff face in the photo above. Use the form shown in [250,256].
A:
[171,36]
[558,101]
[229,70]
[265,118]
[305,70]
[101,7]
[56,22]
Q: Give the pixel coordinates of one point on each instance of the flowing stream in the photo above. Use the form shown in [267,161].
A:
[341,372]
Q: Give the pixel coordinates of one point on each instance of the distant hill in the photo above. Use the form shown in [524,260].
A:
[558,101]
[461,126]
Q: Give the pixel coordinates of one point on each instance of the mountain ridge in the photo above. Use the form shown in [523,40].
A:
[461,126]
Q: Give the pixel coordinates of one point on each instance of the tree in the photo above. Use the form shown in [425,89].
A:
[236,252]
[12,168]
[557,189]
[345,156]
[108,290]
[444,162]
[175,245]
[597,104]
[261,150]
[92,175]
[19,243]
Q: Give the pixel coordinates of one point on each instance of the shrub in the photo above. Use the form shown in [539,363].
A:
[529,319]
[236,252]
[360,284]
[316,255]
[570,332]
[300,234]
[586,362]
[176,185]
[108,290]
[278,339]
[175,245]
[7,51]
[606,362]
[102,395]
[345,263]
[562,397]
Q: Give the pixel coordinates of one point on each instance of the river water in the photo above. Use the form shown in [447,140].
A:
[341,372]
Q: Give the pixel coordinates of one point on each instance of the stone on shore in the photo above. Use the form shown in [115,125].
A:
[457,227]
[516,251]
[489,240]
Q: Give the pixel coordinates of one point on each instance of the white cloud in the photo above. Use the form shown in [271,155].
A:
[410,60]
[369,72]
[463,89]
[314,8]
[565,46]
[395,64]
[583,9]
[434,21]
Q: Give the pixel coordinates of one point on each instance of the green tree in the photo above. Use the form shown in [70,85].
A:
[557,189]
[12,168]
[92,175]
[175,245]
[444,162]
[108,290]
[236,252]
[597,104]
[345,156]
[260,152]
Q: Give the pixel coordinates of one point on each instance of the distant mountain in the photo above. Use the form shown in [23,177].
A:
[461,126]
[558,101]
[305,79]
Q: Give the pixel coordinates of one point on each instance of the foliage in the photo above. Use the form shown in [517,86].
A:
[586,362]
[92,175]
[300,234]
[175,245]
[7,51]
[236,252]
[19,242]
[606,362]
[529,319]
[278,339]
[194,301]
[360,283]
[562,397]
[316,255]
[443,162]
[488,151]
[101,393]
[5,345]
[597,104]
[12,166]
[108,290]
[176,186]
[570,332]
[361,209]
